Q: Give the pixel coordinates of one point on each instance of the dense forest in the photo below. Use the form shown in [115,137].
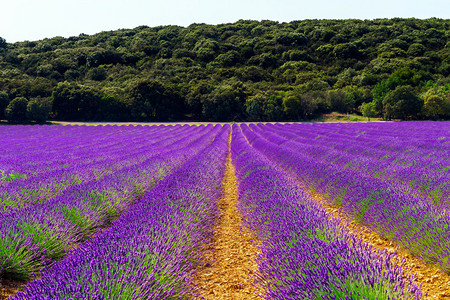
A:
[245,71]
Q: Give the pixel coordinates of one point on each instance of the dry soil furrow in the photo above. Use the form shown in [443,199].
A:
[9,288]
[231,257]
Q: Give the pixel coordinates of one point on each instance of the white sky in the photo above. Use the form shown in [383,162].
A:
[37,19]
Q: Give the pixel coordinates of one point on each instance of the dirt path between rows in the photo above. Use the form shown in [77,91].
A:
[435,283]
[231,257]
[9,288]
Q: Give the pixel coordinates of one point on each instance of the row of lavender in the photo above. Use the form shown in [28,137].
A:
[419,223]
[29,151]
[415,162]
[305,252]
[35,170]
[36,235]
[151,251]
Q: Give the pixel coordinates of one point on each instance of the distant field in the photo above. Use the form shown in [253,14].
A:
[327,118]
[136,123]
[240,211]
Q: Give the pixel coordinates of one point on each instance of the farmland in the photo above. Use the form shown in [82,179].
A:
[241,211]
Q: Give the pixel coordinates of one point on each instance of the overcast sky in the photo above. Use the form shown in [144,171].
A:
[37,19]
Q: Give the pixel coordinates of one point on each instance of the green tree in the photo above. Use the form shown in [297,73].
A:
[16,111]
[206,49]
[336,100]
[4,101]
[264,60]
[66,97]
[253,73]
[97,74]
[435,104]
[265,106]
[368,110]
[226,102]
[402,76]
[299,106]
[402,103]
[416,49]
[227,59]
[38,109]
[254,107]
[273,107]
[197,95]
[347,50]
[152,101]
[355,96]
[3,43]
[113,105]
[72,101]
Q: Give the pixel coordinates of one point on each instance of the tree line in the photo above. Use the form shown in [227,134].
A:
[243,71]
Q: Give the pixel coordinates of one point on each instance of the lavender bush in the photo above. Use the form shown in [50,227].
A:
[305,253]
[37,235]
[149,252]
[416,221]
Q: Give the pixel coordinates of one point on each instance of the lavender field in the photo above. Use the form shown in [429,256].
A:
[127,212]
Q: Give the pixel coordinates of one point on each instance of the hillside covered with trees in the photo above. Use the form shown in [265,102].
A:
[245,71]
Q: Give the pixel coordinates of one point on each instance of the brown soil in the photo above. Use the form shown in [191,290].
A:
[435,283]
[231,257]
[9,288]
